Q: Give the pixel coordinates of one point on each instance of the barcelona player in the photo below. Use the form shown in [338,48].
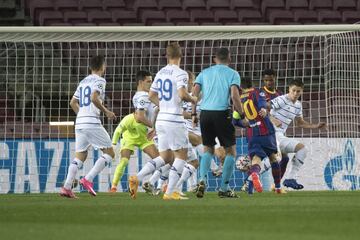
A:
[260,133]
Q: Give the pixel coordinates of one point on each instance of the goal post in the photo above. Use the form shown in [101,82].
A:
[41,66]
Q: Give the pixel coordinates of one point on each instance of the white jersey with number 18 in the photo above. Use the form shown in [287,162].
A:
[89,115]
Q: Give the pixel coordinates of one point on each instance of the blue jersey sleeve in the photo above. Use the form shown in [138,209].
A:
[199,79]
[236,79]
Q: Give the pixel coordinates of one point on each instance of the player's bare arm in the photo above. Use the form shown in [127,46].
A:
[74,104]
[300,122]
[235,97]
[185,96]
[276,122]
[195,92]
[152,131]
[154,98]
[140,117]
[96,101]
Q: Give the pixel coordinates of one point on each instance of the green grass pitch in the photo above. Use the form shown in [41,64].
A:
[296,215]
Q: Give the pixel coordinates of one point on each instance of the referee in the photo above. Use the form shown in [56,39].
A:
[216,84]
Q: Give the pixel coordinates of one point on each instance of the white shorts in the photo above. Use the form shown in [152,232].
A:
[171,136]
[285,144]
[191,154]
[96,137]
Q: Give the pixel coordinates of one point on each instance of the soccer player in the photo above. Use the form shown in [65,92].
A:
[217,83]
[271,92]
[260,134]
[134,128]
[269,88]
[168,91]
[87,103]
[288,108]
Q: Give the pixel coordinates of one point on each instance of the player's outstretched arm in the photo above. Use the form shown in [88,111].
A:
[96,101]
[300,122]
[74,104]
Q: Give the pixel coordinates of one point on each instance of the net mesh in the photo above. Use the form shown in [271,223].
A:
[40,72]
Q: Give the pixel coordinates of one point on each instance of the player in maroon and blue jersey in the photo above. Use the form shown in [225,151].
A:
[260,133]
[269,88]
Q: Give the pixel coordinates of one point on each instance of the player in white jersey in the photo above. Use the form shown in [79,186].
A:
[87,103]
[137,130]
[288,108]
[168,91]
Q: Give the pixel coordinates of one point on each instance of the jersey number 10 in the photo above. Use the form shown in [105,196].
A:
[250,110]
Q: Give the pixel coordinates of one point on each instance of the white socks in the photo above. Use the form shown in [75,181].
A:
[150,167]
[99,165]
[155,177]
[265,165]
[174,174]
[187,172]
[213,165]
[297,161]
[200,149]
[74,166]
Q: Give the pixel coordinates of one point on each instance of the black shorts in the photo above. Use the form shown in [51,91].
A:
[217,124]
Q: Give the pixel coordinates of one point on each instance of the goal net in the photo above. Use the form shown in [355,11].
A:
[40,68]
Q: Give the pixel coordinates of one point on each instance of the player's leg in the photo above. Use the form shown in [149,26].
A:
[219,154]
[155,163]
[125,154]
[100,139]
[254,173]
[81,146]
[208,134]
[297,162]
[175,173]
[189,168]
[178,142]
[226,135]
[153,153]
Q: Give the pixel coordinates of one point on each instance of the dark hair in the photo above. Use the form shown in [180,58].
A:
[246,82]
[173,50]
[296,82]
[140,75]
[223,54]
[269,72]
[97,62]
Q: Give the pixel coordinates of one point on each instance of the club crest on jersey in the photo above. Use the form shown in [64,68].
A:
[100,86]
[142,102]
[341,172]
[262,94]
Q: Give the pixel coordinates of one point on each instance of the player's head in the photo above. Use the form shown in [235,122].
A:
[173,51]
[97,64]
[143,80]
[222,56]
[191,80]
[296,88]
[246,82]
[269,77]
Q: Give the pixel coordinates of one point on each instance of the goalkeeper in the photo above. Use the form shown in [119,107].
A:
[136,129]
